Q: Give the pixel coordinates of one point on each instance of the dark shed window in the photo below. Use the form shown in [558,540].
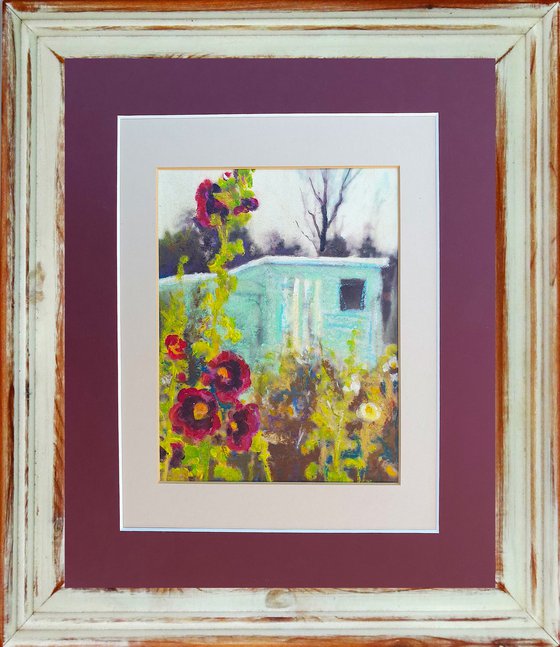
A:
[352,294]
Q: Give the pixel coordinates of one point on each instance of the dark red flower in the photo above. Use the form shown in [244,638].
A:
[207,204]
[247,204]
[243,423]
[251,204]
[181,377]
[229,375]
[195,414]
[175,347]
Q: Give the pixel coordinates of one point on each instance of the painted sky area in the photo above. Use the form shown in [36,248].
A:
[370,206]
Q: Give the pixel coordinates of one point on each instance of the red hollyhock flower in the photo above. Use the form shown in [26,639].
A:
[243,423]
[181,377]
[207,204]
[175,347]
[229,375]
[195,414]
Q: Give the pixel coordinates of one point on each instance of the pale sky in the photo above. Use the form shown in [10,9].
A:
[370,205]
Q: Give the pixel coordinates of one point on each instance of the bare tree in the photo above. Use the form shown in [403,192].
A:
[321,211]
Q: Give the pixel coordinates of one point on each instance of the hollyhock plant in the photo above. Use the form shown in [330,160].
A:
[203,426]
[229,375]
[242,425]
[175,347]
[207,204]
[195,414]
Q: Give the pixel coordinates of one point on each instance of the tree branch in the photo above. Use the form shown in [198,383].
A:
[314,218]
[346,181]
[308,237]
[317,196]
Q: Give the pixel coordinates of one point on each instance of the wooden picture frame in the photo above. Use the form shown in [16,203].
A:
[523,608]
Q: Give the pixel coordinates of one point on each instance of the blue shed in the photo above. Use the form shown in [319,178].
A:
[308,300]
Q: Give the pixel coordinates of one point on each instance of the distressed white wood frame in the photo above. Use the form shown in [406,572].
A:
[524,606]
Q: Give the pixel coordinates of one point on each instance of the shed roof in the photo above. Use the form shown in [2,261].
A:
[321,261]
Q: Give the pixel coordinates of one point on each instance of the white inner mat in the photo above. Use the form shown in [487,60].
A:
[409,141]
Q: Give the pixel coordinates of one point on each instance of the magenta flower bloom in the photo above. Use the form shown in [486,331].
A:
[196,413]
[229,375]
[207,204]
[242,424]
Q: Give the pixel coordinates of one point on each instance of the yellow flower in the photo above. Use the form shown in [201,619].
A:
[369,412]
[391,471]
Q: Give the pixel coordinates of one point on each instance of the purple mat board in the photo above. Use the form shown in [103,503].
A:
[462,554]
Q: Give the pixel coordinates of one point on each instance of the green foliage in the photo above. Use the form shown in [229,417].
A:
[227,473]
[352,412]
[173,319]
[313,402]
[181,266]
[311,471]
[260,447]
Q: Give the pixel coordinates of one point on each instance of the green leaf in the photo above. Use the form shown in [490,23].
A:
[227,473]
[311,471]
[354,463]
[201,348]
[237,247]
[339,476]
[181,266]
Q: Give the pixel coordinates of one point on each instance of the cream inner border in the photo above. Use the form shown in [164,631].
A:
[409,141]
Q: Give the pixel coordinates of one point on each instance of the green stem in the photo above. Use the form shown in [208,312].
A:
[263,457]
[336,446]
[251,469]
[323,455]
[218,303]
[205,459]
[165,468]
[364,447]
[172,384]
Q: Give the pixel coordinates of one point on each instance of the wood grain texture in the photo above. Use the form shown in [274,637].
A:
[501,323]
[430,641]
[7,197]
[253,5]
[523,609]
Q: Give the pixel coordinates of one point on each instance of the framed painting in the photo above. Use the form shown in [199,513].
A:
[280,323]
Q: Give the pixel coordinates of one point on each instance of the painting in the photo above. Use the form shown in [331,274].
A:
[278,325]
